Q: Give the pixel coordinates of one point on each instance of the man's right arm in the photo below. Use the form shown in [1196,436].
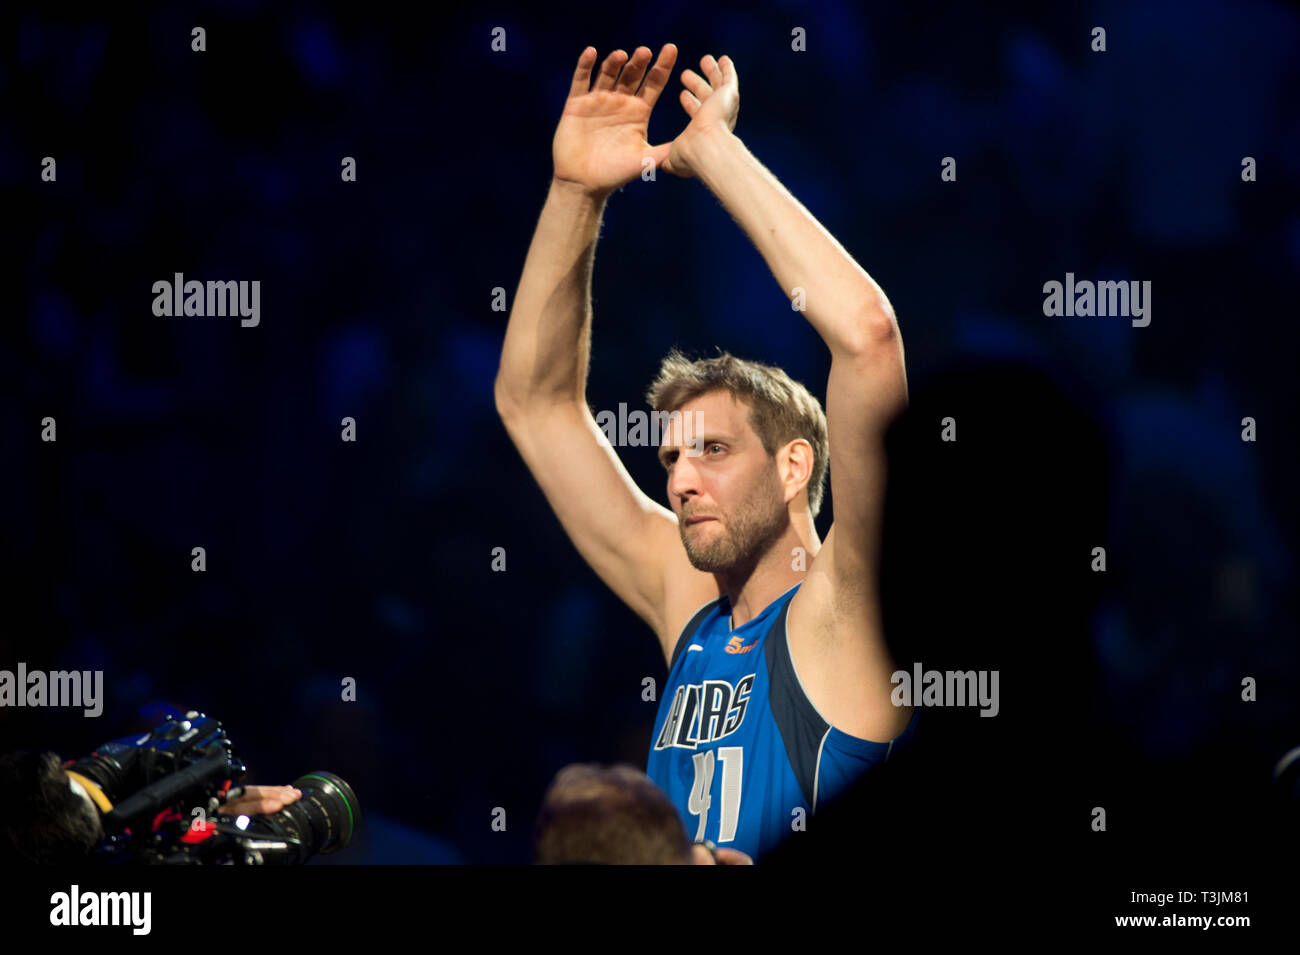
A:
[541,397]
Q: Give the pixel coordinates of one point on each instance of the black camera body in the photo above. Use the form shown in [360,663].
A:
[160,799]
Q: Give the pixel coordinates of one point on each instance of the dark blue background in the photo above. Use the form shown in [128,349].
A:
[372,560]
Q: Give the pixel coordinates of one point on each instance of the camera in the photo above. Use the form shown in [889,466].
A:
[159,797]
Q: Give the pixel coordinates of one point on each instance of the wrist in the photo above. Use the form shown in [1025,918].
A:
[576,190]
[700,146]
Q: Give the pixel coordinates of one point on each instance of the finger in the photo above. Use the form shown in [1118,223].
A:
[696,84]
[733,857]
[689,103]
[263,792]
[251,807]
[701,856]
[609,70]
[728,69]
[635,69]
[710,66]
[663,159]
[657,78]
[582,74]
[256,795]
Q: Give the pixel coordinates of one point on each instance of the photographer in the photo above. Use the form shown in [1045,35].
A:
[50,816]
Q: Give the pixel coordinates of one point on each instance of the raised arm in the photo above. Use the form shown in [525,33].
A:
[867,386]
[541,383]
[835,619]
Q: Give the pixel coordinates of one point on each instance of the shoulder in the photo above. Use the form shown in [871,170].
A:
[687,594]
[837,647]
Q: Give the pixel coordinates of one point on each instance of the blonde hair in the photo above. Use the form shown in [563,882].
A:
[780,408]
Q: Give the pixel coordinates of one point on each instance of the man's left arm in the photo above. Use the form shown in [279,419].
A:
[842,302]
[867,386]
[836,617]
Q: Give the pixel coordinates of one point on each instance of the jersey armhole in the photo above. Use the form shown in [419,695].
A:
[802,729]
[856,746]
[810,737]
[688,631]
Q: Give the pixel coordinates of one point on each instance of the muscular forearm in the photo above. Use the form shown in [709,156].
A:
[547,342]
[842,302]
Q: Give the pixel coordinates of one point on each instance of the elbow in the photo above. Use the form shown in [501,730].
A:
[507,403]
[515,403]
[872,328]
[877,320]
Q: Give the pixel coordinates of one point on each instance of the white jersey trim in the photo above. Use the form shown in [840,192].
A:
[682,632]
[817,774]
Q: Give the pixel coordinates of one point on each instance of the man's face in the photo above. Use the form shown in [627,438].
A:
[728,497]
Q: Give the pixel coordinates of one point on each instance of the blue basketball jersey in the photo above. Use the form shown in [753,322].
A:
[737,744]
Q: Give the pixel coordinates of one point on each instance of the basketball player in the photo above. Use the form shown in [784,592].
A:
[778,693]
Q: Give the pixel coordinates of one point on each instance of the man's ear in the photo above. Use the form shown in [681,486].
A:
[795,461]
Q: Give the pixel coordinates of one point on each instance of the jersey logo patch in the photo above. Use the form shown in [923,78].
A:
[704,712]
[734,645]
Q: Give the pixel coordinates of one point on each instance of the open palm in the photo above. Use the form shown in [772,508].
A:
[600,142]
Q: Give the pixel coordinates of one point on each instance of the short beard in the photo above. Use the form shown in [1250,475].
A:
[758,522]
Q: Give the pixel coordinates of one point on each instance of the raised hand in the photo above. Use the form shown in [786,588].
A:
[600,142]
[712,105]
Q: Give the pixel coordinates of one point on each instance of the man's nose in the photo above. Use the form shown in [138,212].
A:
[684,480]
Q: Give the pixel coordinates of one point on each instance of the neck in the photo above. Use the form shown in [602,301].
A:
[751,587]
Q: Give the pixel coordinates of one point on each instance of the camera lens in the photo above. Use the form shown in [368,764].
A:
[323,820]
[113,768]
